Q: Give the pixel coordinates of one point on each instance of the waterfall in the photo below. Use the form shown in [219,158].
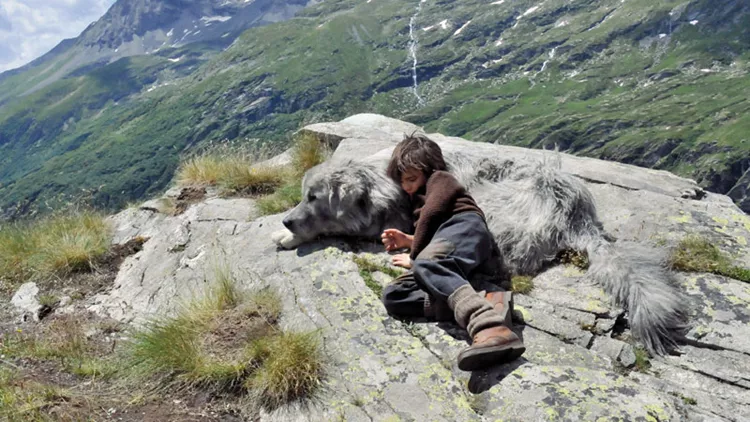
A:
[413,52]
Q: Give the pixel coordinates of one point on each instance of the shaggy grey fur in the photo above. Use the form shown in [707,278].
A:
[533,210]
[351,199]
[536,211]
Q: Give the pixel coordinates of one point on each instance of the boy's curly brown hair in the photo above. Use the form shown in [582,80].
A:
[416,151]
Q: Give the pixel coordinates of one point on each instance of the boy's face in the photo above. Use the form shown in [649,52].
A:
[411,180]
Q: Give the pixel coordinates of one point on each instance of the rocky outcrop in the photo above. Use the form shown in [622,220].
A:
[579,363]
[741,191]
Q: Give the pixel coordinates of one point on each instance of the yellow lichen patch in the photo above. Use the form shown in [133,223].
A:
[572,271]
[685,218]
[656,413]
[722,221]
[743,219]
[526,314]
[741,240]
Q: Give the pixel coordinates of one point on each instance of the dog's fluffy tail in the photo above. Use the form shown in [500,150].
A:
[538,211]
[636,277]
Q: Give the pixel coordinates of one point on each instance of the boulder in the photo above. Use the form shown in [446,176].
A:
[578,351]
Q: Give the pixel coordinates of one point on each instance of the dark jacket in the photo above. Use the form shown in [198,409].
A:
[441,198]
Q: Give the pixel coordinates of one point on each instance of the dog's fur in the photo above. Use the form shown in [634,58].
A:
[351,200]
[533,210]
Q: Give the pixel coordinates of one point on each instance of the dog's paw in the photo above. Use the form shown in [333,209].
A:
[285,239]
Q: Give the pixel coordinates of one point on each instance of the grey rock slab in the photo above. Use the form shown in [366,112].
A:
[564,324]
[724,365]
[357,149]
[616,350]
[720,310]
[332,133]
[604,325]
[716,398]
[565,286]
[283,159]
[134,222]
[26,302]
[215,209]
[380,368]
[546,392]
[649,217]
[384,123]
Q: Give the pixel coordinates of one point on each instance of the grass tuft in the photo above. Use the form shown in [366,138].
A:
[233,170]
[522,284]
[54,246]
[289,368]
[642,362]
[22,400]
[63,341]
[307,152]
[230,342]
[697,254]
[284,198]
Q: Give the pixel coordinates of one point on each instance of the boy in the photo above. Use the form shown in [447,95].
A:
[451,240]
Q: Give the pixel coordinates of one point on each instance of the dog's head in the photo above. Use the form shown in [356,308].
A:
[335,201]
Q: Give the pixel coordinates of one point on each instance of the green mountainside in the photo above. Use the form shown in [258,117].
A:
[661,84]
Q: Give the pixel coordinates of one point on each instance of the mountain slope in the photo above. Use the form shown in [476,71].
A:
[659,84]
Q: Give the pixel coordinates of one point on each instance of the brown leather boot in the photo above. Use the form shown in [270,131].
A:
[503,304]
[491,346]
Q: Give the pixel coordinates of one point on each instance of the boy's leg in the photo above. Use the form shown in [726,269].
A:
[443,266]
[405,298]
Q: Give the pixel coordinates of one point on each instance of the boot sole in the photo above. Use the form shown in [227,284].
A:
[473,359]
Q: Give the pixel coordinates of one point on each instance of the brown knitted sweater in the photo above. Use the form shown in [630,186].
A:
[441,198]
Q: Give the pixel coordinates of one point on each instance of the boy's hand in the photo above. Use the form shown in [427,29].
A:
[402,260]
[396,239]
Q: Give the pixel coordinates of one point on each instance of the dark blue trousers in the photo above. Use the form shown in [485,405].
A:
[461,246]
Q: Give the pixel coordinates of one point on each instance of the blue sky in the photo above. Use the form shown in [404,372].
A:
[30,28]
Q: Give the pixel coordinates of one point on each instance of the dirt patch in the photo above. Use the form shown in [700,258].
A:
[188,195]
[229,332]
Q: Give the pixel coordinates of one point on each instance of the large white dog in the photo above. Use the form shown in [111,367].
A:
[534,211]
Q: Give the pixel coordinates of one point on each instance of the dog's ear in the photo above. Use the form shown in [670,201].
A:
[349,195]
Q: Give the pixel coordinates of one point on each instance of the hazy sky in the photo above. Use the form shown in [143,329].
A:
[30,28]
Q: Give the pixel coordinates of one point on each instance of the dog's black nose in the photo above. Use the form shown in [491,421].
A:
[288,223]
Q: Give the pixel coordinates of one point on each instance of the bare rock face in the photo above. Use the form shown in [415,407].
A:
[580,363]
[26,301]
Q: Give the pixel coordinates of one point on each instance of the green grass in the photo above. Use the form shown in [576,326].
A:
[235,172]
[24,400]
[697,254]
[642,362]
[289,367]
[367,267]
[284,198]
[62,341]
[229,341]
[522,284]
[307,151]
[52,247]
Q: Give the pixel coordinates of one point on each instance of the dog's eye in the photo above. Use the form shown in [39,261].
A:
[310,197]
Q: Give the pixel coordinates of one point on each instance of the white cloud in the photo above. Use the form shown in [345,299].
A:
[30,28]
